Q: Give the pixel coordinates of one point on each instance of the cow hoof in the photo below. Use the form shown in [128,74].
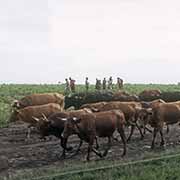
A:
[142,137]
[163,145]
[104,154]
[61,157]
[128,139]
[152,147]
[69,148]
[123,155]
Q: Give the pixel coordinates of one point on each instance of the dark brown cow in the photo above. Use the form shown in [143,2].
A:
[26,114]
[124,96]
[54,124]
[48,126]
[39,99]
[102,124]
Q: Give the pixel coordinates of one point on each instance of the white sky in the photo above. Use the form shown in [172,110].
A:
[45,41]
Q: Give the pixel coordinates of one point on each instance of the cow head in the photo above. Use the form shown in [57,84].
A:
[144,116]
[70,126]
[15,104]
[43,125]
[15,116]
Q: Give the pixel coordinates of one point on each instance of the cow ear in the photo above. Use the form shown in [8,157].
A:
[76,120]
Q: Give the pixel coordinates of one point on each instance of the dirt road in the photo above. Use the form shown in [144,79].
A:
[34,153]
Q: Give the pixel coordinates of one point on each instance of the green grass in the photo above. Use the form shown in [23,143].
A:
[165,168]
[9,92]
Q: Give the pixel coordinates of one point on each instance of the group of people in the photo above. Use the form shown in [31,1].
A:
[106,84]
[69,85]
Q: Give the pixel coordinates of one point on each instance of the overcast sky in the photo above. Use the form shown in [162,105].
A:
[45,41]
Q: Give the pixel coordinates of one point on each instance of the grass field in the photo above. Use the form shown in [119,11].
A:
[15,91]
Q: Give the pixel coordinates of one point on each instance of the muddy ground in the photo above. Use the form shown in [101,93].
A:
[34,153]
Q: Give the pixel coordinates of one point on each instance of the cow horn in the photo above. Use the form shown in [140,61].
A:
[35,118]
[63,119]
[44,117]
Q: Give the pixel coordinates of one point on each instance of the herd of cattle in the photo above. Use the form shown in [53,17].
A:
[46,113]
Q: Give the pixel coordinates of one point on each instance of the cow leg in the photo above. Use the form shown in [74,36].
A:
[89,151]
[149,130]
[97,145]
[162,138]
[167,130]
[90,148]
[144,130]
[29,132]
[142,136]
[154,137]
[108,147]
[63,144]
[131,133]
[123,138]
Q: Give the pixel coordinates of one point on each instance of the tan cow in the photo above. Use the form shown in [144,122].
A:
[165,113]
[150,93]
[26,114]
[142,114]
[102,124]
[94,106]
[39,99]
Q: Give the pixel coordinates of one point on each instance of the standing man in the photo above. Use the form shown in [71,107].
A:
[98,84]
[104,84]
[72,85]
[119,83]
[87,84]
[67,86]
[110,83]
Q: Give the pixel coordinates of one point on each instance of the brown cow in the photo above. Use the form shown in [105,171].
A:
[39,99]
[165,113]
[26,114]
[142,113]
[102,124]
[129,109]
